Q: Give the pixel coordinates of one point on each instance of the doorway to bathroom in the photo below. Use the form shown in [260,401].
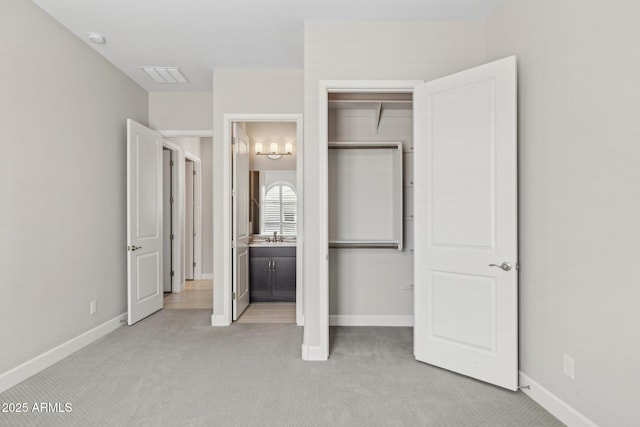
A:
[265,203]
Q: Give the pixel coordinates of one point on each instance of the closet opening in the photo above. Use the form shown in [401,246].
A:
[370,212]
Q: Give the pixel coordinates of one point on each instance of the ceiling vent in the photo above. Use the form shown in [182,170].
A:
[163,75]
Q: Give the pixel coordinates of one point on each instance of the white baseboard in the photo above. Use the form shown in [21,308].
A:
[31,367]
[370,320]
[207,276]
[219,320]
[552,403]
[313,353]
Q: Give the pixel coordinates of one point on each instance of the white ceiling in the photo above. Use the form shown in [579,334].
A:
[201,35]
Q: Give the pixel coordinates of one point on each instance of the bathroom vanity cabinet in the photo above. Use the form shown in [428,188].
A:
[272,274]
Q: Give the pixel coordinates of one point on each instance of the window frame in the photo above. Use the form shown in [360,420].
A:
[266,190]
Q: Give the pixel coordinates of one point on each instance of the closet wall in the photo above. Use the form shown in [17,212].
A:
[374,286]
[365,51]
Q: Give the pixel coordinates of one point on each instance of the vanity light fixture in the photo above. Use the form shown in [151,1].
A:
[274,151]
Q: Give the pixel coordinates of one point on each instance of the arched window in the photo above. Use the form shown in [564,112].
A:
[280,210]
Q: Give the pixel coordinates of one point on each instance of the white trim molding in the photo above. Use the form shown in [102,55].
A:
[224,318]
[325,88]
[31,367]
[552,403]
[186,133]
[313,353]
[370,320]
[219,320]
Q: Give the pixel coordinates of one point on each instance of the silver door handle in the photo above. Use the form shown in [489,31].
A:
[505,266]
[270,261]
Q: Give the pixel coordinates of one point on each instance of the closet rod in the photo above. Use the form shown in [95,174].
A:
[369,147]
[363,246]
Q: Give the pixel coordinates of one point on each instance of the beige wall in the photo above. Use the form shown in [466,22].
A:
[579,104]
[244,92]
[190,111]
[206,158]
[180,110]
[191,145]
[62,183]
[366,51]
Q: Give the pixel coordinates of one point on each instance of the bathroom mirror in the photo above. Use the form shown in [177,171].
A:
[278,202]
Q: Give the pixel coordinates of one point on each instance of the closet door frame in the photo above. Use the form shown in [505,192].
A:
[326,87]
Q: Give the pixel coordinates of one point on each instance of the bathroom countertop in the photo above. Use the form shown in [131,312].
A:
[264,244]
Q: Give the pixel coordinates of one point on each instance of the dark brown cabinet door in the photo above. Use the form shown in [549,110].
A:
[272,274]
[284,278]
[259,278]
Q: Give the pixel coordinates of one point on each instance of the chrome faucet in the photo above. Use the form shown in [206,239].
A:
[275,236]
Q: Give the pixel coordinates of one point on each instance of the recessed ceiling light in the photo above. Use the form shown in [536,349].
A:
[165,74]
[97,38]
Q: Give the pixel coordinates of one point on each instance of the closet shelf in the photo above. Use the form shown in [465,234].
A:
[377,102]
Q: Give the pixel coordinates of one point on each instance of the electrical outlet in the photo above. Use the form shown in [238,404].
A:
[408,287]
[568,366]
[93,307]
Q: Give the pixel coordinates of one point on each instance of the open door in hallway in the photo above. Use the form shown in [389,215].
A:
[466,280]
[241,230]
[144,221]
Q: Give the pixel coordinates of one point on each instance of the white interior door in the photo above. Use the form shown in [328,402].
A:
[466,317]
[144,221]
[167,195]
[188,220]
[240,221]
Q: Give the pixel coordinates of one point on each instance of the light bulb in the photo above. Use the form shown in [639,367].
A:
[288,148]
[258,147]
[274,147]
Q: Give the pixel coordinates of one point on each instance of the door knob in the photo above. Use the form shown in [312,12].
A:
[134,248]
[505,266]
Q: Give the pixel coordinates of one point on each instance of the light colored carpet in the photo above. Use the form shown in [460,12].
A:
[174,369]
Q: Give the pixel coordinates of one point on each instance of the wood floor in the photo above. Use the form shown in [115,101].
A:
[199,294]
[269,312]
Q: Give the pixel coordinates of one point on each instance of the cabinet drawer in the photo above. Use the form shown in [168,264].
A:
[273,251]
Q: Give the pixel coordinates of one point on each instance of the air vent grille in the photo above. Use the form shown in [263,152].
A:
[165,75]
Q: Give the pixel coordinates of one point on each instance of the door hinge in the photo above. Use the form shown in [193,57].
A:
[171,236]
[194,234]
[194,173]
[172,273]
[171,163]
[233,193]
[171,199]
[194,264]
[233,295]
